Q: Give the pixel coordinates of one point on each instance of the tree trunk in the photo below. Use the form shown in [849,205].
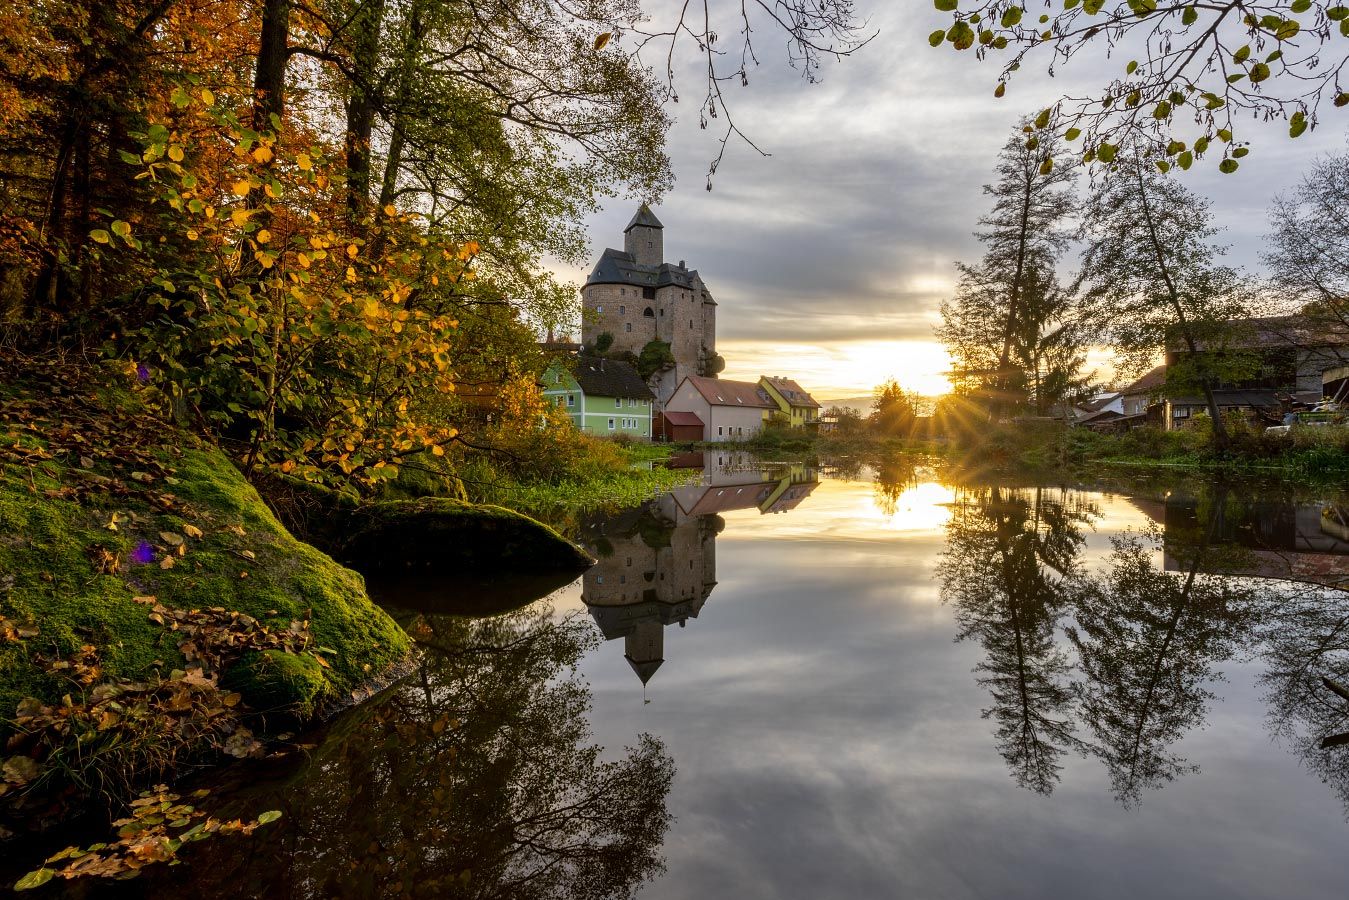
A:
[269,80]
[361,105]
[1220,438]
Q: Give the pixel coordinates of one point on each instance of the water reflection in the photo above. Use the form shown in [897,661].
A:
[1129,652]
[1008,572]
[475,777]
[657,563]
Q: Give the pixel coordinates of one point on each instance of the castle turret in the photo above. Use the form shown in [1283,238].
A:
[643,238]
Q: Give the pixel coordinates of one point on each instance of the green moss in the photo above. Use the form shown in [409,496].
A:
[277,682]
[55,519]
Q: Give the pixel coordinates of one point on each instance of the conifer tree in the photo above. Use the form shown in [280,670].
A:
[1008,305]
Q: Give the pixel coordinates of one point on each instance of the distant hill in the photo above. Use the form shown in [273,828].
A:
[862,405]
[859,405]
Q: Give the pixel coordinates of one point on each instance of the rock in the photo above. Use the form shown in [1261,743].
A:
[456,538]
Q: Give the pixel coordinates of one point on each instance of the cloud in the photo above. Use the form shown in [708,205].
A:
[851,229]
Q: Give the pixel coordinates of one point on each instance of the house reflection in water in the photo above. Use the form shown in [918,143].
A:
[1306,542]
[658,562]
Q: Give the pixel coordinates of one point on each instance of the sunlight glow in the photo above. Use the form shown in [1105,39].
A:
[842,370]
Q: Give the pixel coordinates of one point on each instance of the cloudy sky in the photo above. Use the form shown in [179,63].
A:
[829,258]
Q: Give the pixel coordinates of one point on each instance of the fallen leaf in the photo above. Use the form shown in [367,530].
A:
[167,562]
[86,462]
[19,769]
[172,538]
[192,531]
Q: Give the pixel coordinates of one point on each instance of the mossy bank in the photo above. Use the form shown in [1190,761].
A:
[130,553]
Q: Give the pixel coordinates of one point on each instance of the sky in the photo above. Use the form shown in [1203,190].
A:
[829,258]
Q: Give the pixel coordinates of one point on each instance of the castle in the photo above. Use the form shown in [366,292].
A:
[636,297]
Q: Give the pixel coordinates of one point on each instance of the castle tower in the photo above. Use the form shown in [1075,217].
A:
[643,238]
[635,297]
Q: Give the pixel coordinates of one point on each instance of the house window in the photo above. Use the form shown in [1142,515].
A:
[599,309]
[611,424]
[720,431]
[571,399]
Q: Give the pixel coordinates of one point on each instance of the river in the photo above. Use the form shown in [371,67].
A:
[791,681]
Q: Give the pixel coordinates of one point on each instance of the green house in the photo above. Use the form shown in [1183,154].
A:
[602,396]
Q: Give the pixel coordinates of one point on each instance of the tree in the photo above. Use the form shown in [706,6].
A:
[1009,317]
[1153,283]
[1309,255]
[1206,63]
[893,410]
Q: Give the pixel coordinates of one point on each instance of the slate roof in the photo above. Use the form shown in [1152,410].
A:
[645,217]
[792,392]
[600,377]
[720,392]
[618,267]
[1149,383]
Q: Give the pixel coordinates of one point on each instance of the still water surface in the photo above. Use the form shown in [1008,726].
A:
[850,684]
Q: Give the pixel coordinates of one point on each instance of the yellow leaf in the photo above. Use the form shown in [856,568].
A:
[176,153]
[192,234]
[304,162]
[263,236]
[262,154]
[351,274]
[303,260]
[240,216]
[207,97]
[390,210]
[242,188]
[438,450]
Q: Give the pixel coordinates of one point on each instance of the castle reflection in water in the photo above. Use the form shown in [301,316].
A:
[658,562]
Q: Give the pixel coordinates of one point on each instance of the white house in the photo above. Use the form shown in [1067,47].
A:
[730,410]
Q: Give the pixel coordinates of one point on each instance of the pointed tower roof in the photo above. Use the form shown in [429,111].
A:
[645,669]
[644,217]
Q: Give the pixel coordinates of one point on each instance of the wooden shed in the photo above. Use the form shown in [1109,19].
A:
[677,426]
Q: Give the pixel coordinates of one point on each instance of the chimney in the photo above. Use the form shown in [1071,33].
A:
[682,265]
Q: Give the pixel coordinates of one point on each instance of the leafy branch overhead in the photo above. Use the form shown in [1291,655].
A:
[1186,73]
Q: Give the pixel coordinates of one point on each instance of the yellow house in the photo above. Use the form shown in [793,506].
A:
[794,404]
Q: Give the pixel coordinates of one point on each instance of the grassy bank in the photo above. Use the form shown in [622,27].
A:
[152,609]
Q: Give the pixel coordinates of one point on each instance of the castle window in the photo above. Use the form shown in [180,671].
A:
[599,309]
[622,310]
[623,291]
[690,323]
[628,327]
[648,293]
[648,313]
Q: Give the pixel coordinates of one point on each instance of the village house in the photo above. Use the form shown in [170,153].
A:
[797,407]
[729,410]
[601,396]
[1298,357]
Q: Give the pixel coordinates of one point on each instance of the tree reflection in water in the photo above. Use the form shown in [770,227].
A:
[475,778]
[1007,571]
[1119,662]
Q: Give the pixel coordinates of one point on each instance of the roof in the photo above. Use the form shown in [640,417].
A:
[1272,332]
[619,267]
[1149,383]
[683,418]
[600,377]
[721,392]
[1234,397]
[792,392]
[1097,403]
[644,217]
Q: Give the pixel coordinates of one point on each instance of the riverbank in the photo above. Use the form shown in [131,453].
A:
[153,611]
